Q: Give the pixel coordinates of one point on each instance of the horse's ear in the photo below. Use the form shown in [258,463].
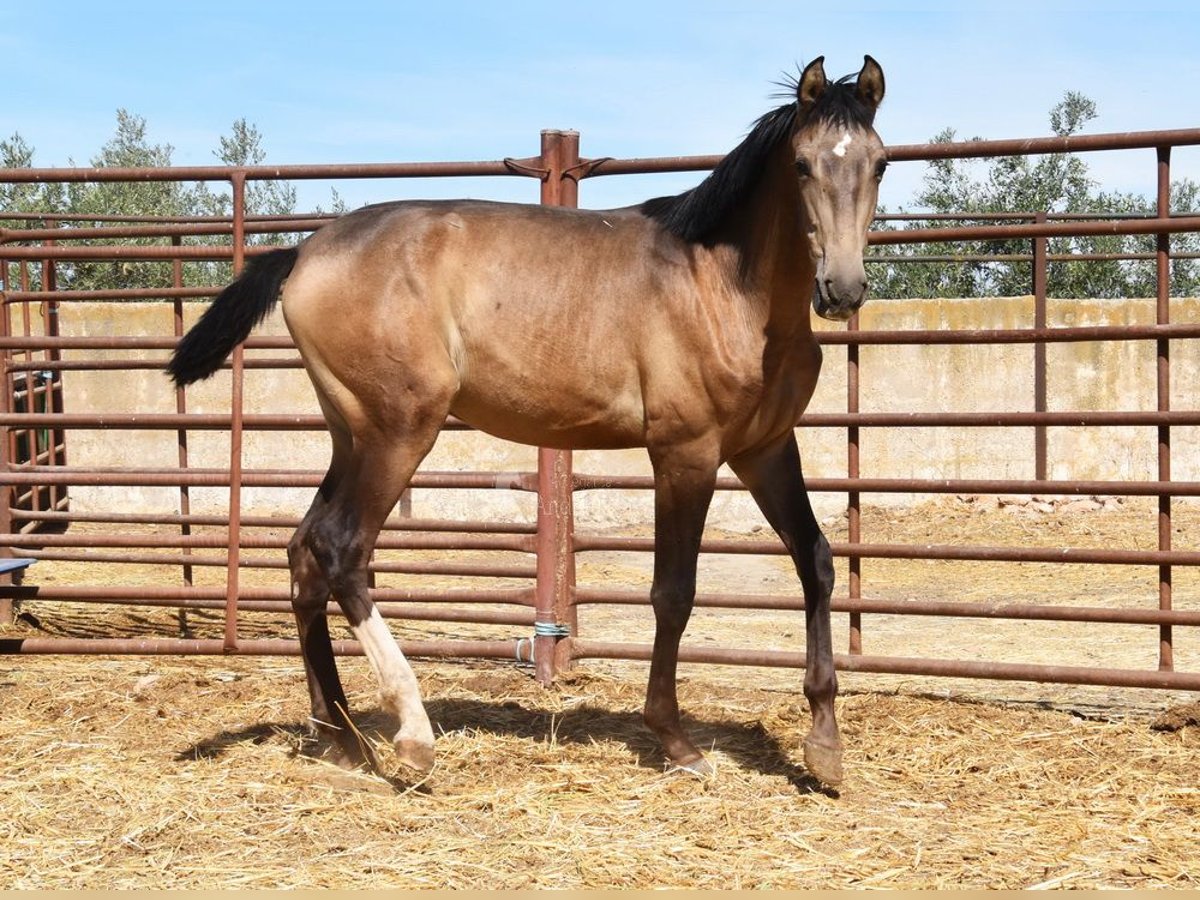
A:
[812,84]
[870,83]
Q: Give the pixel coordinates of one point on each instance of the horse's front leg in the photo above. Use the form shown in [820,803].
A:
[774,477]
[683,488]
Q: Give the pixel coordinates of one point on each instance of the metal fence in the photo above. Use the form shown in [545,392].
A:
[36,517]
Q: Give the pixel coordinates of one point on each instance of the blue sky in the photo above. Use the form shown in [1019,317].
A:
[359,81]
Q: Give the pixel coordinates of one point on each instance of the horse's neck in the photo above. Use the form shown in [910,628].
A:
[769,253]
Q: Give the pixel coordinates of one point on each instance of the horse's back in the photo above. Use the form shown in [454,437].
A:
[539,315]
[546,326]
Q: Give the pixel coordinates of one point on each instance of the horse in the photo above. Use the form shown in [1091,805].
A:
[680,325]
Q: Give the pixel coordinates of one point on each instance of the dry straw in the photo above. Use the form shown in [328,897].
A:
[172,773]
[191,774]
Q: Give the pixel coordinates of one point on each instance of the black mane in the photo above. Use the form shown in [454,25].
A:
[696,213]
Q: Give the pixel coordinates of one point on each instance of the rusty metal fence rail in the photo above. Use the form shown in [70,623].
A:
[35,477]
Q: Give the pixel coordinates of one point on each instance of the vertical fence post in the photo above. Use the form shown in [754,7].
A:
[554,614]
[38,389]
[1166,653]
[853,497]
[51,379]
[22,398]
[238,180]
[1040,281]
[185,500]
[7,491]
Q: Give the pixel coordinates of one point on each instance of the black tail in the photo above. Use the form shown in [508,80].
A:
[232,316]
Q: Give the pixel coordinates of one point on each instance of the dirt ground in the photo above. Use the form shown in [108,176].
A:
[191,773]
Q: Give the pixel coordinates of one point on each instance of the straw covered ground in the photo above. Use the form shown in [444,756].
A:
[191,773]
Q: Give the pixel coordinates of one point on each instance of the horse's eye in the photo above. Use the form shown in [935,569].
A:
[803,169]
[880,168]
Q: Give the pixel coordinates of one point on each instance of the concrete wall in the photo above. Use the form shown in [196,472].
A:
[1085,376]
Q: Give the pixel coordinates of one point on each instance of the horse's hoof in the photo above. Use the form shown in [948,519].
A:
[414,755]
[353,757]
[700,767]
[823,762]
[327,751]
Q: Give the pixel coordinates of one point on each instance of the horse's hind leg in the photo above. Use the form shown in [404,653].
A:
[341,539]
[310,596]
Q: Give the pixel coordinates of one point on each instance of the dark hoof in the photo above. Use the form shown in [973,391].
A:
[700,767]
[823,762]
[330,746]
[332,752]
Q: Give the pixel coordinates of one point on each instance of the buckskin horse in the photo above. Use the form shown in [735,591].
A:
[680,325]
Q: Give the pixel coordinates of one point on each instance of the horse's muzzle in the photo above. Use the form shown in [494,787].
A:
[838,302]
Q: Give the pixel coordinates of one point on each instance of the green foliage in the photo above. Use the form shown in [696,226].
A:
[17,198]
[15,153]
[96,203]
[973,190]
[243,147]
[128,148]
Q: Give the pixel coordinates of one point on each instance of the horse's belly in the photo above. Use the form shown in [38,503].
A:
[553,417]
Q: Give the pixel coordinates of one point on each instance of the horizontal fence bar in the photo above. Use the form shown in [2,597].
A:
[192,229]
[127,342]
[130,252]
[117,294]
[175,421]
[520,482]
[392,524]
[387,541]
[948,234]
[529,167]
[586,542]
[914,259]
[1076,143]
[1057,334]
[108,594]
[455,569]
[898,665]
[469,616]
[123,365]
[301,422]
[585,482]
[998,419]
[280,219]
[943,608]
[1053,335]
[922,152]
[448,649]
[112,477]
[1013,216]
[164,421]
[1034,230]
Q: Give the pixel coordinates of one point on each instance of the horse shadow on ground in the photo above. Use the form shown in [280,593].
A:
[751,746]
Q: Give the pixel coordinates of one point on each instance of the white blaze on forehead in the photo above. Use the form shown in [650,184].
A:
[840,148]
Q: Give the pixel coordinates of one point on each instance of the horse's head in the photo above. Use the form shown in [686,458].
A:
[839,160]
